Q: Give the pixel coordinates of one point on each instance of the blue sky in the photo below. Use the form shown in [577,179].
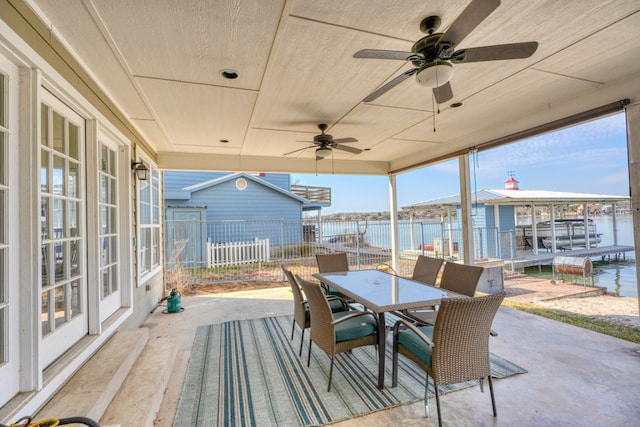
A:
[589,158]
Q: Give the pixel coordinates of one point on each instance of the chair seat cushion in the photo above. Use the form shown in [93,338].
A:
[355,328]
[415,345]
[336,307]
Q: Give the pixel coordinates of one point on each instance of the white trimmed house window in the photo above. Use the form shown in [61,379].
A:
[149,224]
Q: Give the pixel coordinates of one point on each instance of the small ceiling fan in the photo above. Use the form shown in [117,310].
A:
[324,144]
[433,56]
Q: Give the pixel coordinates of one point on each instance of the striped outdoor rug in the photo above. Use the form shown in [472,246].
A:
[248,373]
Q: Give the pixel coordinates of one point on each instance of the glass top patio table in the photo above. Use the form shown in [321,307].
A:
[382,292]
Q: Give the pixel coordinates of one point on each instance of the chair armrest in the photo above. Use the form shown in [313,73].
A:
[406,315]
[345,303]
[414,329]
[354,314]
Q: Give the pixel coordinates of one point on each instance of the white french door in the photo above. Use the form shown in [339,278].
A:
[110,264]
[9,239]
[63,284]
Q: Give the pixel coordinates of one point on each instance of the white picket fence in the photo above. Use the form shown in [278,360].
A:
[237,253]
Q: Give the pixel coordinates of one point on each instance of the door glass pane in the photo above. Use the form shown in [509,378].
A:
[113,219]
[104,159]
[76,298]
[113,192]
[46,265]
[74,218]
[74,141]
[3,158]
[45,216]
[112,163]
[3,272]
[3,117]
[114,250]
[105,282]
[75,259]
[60,250]
[74,173]
[58,175]
[4,320]
[104,251]
[114,278]
[60,304]
[103,189]
[58,218]
[44,171]
[3,216]
[44,313]
[58,133]
[44,125]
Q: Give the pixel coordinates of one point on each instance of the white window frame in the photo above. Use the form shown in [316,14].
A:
[149,223]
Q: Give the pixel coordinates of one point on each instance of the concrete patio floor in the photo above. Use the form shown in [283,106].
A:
[575,377]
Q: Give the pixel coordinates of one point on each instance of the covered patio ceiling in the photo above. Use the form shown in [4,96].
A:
[160,62]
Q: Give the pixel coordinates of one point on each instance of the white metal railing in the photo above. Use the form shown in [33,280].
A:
[237,253]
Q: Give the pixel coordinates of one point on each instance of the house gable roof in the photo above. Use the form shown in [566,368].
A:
[185,193]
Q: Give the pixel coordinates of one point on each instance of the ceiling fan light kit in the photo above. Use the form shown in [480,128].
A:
[324,144]
[435,74]
[323,152]
[433,55]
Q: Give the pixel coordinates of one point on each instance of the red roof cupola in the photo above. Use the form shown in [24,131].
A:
[511,183]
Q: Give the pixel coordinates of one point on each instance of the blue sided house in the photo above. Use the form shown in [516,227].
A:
[221,208]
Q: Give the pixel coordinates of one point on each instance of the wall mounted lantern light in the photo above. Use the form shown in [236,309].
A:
[141,170]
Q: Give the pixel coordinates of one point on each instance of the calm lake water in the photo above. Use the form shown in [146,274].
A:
[617,276]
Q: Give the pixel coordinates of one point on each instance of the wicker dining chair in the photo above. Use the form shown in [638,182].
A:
[301,308]
[332,263]
[455,349]
[460,278]
[426,269]
[339,332]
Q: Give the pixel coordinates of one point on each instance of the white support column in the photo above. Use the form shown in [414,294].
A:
[534,230]
[614,206]
[466,203]
[393,210]
[496,219]
[553,228]
[633,147]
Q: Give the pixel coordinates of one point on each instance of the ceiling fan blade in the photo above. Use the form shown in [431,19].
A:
[393,83]
[353,150]
[299,149]
[495,53]
[443,93]
[470,18]
[383,54]
[343,140]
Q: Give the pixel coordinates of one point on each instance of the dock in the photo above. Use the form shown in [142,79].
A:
[529,259]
